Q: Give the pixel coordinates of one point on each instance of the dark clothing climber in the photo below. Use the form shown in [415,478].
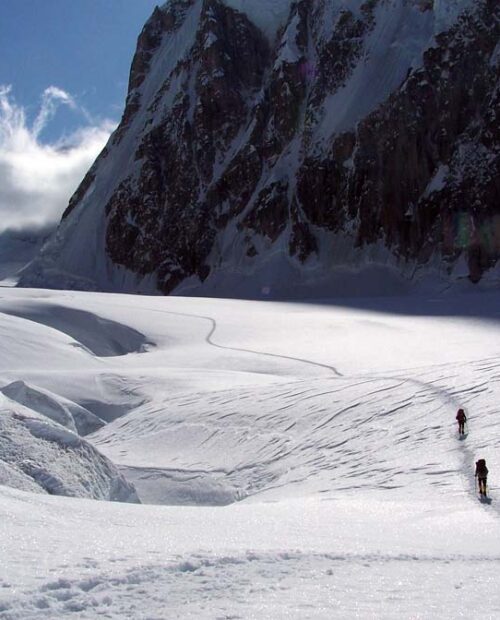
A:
[482,476]
[461,419]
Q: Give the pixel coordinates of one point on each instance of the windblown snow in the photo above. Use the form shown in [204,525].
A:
[293,460]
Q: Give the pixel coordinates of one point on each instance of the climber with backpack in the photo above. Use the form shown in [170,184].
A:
[461,418]
[481,475]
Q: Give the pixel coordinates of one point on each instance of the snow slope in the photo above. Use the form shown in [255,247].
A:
[17,249]
[303,458]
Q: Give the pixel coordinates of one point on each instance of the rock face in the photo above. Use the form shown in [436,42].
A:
[257,148]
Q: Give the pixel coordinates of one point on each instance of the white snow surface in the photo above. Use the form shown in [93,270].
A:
[295,460]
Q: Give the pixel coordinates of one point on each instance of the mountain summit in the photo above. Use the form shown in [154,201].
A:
[281,146]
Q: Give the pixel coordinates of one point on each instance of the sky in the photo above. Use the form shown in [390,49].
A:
[64,68]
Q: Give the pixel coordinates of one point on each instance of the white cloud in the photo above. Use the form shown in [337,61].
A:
[51,99]
[37,179]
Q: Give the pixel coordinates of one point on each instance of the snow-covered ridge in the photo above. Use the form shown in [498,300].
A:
[58,409]
[268,15]
[271,15]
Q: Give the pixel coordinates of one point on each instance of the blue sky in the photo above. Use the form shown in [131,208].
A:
[64,67]
[84,47]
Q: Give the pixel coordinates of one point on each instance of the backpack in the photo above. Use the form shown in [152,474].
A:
[461,416]
[481,469]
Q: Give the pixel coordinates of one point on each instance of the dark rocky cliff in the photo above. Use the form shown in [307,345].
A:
[378,125]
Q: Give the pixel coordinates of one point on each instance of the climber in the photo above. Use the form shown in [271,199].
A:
[481,475]
[461,418]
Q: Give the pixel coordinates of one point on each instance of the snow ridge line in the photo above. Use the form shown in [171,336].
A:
[210,341]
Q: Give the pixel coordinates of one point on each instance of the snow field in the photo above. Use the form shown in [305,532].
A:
[305,457]
[364,558]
